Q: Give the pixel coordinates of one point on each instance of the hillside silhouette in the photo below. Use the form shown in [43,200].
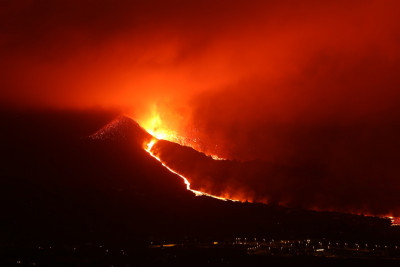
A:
[67,178]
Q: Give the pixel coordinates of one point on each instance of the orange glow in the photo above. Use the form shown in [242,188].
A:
[395,220]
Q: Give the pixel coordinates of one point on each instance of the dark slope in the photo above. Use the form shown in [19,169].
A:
[59,185]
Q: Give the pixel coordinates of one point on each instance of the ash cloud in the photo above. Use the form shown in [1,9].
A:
[306,84]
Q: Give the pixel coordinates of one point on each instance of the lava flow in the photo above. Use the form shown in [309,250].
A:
[197,193]
[157,129]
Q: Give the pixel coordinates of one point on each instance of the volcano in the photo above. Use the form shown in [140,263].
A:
[122,129]
[66,177]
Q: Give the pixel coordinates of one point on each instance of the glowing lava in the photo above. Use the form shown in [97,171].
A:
[394,220]
[154,126]
[161,130]
[148,148]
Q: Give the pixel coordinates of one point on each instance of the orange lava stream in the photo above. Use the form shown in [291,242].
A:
[197,193]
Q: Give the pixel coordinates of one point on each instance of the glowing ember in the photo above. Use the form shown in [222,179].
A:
[150,145]
[148,148]
[215,157]
[395,220]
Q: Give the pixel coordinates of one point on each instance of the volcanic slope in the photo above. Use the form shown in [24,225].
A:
[62,183]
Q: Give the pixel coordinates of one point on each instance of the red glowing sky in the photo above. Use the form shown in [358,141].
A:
[297,83]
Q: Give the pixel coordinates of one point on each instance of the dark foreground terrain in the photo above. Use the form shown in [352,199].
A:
[196,253]
[67,200]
